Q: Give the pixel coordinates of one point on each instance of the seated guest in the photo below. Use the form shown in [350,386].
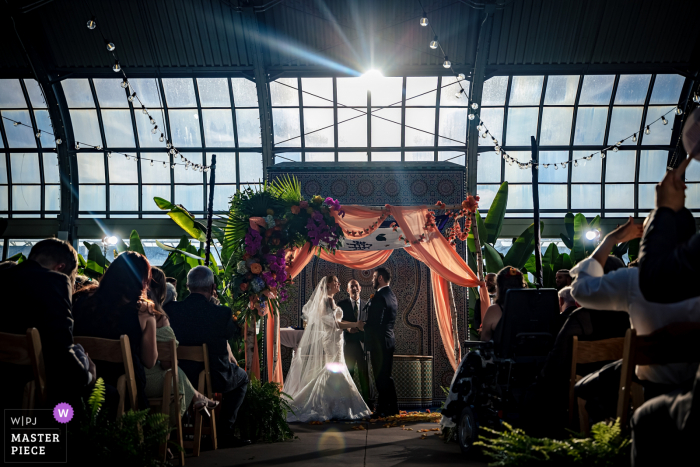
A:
[37,294]
[490,280]
[170,293]
[506,279]
[119,305]
[562,279]
[567,305]
[198,320]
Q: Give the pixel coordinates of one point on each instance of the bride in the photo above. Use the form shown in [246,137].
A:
[318,381]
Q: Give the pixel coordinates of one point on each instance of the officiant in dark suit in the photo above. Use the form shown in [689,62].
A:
[379,340]
[354,310]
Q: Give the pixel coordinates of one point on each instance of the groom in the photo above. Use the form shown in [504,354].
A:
[379,340]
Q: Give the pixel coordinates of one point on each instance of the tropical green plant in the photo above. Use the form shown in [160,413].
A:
[263,414]
[552,261]
[18,258]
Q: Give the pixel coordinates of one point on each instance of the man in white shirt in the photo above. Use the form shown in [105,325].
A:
[353,310]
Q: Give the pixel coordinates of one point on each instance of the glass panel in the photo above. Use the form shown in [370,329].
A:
[3,168]
[647,196]
[493,120]
[632,89]
[352,157]
[513,173]
[619,196]
[418,91]
[453,157]
[25,168]
[488,169]
[218,128]
[52,198]
[587,171]
[693,197]
[386,156]
[225,167]
[213,92]
[620,166]
[18,136]
[450,89]
[183,175]
[422,119]
[386,91]
[36,97]
[692,173]
[519,197]
[526,90]
[26,198]
[4,198]
[92,198]
[590,125]
[322,87]
[384,132]
[43,121]
[552,196]
[147,91]
[51,174]
[285,125]
[248,123]
[585,197]
[652,166]
[222,196]
[658,132]
[192,197]
[144,127]
[522,123]
[419,156]
[556,125]
[561,90]
[148,192]
[245,94]
[667,89]
[486,194]
[86,128]
[288,157]
[550,174]
[156,173]
[122,170]
[315,119]
[596,89]
[91,167]
[185,129]
[110,93]
[624,122]
[283,91]
[320,157]
[352,132]
[119,130]
[351,92]
[123,198]
[78,93]
[453,124]
[251,167]
[494,92]
[179,92]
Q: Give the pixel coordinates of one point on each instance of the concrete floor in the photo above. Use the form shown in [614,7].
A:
[339,443]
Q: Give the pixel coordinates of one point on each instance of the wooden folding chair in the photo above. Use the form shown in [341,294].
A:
[167,353]
[200,354]
[25,349]
[114,351]
[589,352]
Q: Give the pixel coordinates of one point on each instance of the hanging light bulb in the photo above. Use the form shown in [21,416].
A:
[187,166]
[424,20]
[165,165]
[125,83]
[478,127]
[58,141]
[563,165]
[459,93]
[634,138]
[615,149]
[461,76]
[696,98]
[172,151]
[201,169]
[168,145]
[575,163]
[153,122]
[110,46]
[447,63]
[151,163]
[647,131]
[172,166]
[470,116]
[484,135]
[127,157]
[475,105]
[505,156]
[618,143]
[679,111]
[109,154]
[15,123]
[99,148]
[116,68]
[162,138]
[155,130]
[602,154]
[77,145]
[91,24]
[132,97]
[434,43]
[663,119]
[497,149]
[206,169]
[38,134]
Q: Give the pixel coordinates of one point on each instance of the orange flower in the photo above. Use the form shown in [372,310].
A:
[243,286]
[295,210]
[255,268]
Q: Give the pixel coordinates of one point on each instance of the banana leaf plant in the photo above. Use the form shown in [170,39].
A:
[552,261]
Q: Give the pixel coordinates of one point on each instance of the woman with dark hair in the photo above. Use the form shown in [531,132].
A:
[506,279]
[118,306]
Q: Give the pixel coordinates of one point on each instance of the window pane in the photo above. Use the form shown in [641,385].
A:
[26,198]
[590,125]
[488,169]
[556,125]
[251,167]
[513,173]
[619,196]
[184,125]
[245,94]
[213,92]
[619,166]
[450,89]
[386,156]
[419,156]
[418,91]
[322,87]
[652,166]
[693,196]
[315,119]
[587,171]
[494,92]
[632,89]
[647,196]
[352,157]
[156,173]
[522,123]
[351,92]
[43,121]
[550,174]
[285,124]
[36,97]
[692,173]
[561,90]
[493,120]
[190,196]
[283,91]
[92,198]
[52,198]
[385,132]
[86,128]
[222,196]
[18,136]
[147,91]
[422,119]
[25,168]
[351,133]
[624,122]
[486,193]
[288,157]
[51,174]
[183,175]
[110,93]
[519,197]
[225,167]
[123,198]
[122,170]
[453,124]
[585,197]
[453,157]
[119,131]
[526,90]
[387,91]
[78,93]
[552,196]
[659,133]
[144,127]
[3,169]
[91,167]
[248,123]
[4,198]
[218,128]
[596,89]
[667,89]
[179,92]
[320,157]
[148,192]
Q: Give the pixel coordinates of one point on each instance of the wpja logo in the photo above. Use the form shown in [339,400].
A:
[39,438]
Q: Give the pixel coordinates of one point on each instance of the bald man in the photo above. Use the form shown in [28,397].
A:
[354,338]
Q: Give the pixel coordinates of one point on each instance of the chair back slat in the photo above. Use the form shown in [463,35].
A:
[104,350]
[193,353]
[14,348]
[600,351]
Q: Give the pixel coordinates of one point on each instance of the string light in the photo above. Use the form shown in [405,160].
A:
[116,66]
[447,63]
[161,139]
[110,46]
[109,154]
[475,105]
[459,93]
[132,97]
[461,77]
[647,131]
[663,119]
[77,145]
[91,24]
[470,116]
[16,123]
[151,163]
[424,20]
[125,83]
[155,130]
[38,134]
[58,141]
[434,43]
[679,111]
[634,138]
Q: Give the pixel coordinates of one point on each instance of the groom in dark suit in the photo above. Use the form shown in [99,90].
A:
[353,310]
[379,340]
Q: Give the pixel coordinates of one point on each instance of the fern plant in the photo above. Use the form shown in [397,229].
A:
[263,414]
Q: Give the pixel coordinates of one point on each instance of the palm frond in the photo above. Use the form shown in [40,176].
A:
[287,188]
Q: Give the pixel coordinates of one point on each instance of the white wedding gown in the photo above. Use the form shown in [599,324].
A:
[318,381]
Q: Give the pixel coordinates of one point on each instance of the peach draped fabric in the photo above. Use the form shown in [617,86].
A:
[443,313]
[358,259]
[357,218]
[273,374]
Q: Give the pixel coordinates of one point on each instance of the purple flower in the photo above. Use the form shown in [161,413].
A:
[317,216]
[253,240]
[304,204]
[283,295]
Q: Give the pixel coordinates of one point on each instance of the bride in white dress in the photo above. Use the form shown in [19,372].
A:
[318,381]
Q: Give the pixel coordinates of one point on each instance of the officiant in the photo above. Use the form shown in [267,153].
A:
[353,310]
